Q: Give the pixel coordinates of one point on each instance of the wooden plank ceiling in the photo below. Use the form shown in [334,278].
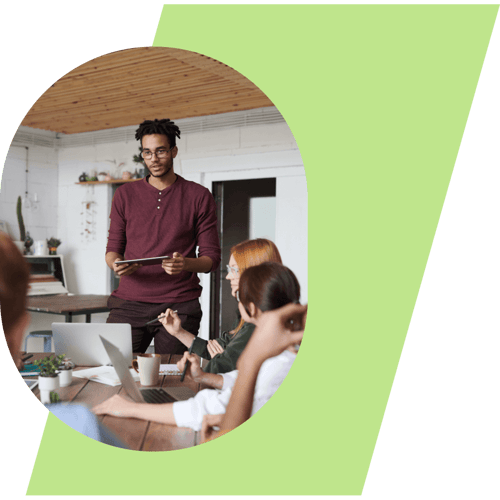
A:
[126,87]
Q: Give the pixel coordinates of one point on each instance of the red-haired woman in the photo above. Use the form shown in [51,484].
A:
[225,351]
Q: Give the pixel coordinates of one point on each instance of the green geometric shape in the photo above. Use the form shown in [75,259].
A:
[437,439]
[377,98]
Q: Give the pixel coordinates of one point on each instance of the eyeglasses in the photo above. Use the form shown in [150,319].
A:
[160,153]
[232,269]
[238,295]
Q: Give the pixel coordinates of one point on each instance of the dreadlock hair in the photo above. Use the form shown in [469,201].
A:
[161,127]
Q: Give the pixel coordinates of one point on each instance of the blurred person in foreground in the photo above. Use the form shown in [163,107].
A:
[14,279]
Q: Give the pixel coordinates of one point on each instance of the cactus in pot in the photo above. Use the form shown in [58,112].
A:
[20,219]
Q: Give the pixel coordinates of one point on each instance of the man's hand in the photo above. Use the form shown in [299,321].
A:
[207,426]
[125,269]
[277,330]
[194,371]
[171,322]
[214,348]
[175,265]
[117,405]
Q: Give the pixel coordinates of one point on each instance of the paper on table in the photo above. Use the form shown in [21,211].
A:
[169,370]
[104,375]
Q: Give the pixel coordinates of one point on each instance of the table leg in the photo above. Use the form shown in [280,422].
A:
[47,344]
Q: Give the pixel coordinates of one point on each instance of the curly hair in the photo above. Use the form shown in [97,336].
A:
[161,127]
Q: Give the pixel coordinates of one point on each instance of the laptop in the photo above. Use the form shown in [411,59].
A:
[154,395]
[82,341]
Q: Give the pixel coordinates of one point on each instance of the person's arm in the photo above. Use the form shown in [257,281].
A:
[112,260]
[271,338]
[201,346]
[226,361]
[179,263]
[172,323]
[207,235]
[119,406]
[117,239]
[198,265]
[197,374]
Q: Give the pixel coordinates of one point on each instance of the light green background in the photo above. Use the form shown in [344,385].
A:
[377,98]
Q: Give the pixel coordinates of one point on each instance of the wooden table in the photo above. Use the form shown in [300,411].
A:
[134,433]
[69,305]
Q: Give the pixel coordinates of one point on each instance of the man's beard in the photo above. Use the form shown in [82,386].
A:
[168,171]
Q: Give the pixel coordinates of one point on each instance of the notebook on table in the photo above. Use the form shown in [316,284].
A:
[153,396]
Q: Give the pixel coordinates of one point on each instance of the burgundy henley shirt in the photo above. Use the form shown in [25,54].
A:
[147,222]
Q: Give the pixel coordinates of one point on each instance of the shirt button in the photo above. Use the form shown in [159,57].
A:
[158,208]
[159,199]
[159,192]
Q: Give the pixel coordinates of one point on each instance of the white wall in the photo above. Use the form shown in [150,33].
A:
[41,224]
[42,179]
[225,154]
[86,269]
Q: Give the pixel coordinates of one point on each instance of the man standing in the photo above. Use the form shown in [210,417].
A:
[162,214]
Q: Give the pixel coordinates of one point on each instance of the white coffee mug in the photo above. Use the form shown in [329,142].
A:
[41,247]
[148,368]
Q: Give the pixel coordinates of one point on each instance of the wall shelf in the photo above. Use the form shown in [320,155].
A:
[114,181]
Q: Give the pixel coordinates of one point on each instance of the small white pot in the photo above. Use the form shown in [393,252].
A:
[65,377]
[46,386]
[41,248]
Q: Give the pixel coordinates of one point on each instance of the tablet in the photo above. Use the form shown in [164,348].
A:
[145,262]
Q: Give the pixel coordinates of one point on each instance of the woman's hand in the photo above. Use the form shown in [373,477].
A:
[194,371]
[171,322]
[208,425]
[214,348]
[117,405]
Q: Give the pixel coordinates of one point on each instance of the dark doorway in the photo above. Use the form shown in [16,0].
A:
[238,204]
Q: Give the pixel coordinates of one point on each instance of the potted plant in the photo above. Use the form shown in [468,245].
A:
[53,243]
[138,160]
[66,372]
[48,379]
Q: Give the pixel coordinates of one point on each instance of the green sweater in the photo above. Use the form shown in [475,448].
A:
[233,346]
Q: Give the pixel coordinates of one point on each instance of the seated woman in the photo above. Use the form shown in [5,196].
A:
[266,287]
[278,330]
[225,350]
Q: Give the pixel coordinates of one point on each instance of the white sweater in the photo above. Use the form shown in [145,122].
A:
[214,401]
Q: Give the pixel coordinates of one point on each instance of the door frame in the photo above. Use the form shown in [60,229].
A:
[206,180]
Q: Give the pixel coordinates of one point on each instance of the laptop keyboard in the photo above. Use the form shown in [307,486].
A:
[157,396]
